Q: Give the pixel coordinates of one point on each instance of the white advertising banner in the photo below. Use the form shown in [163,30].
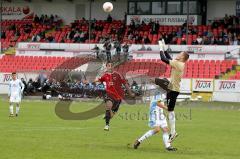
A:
[51,53]
[202,85]
[226,96]
[164,19]
[227,86]
[196,49]
[64,46]
[17,11]
[185,86]
[5,78]
[155,55]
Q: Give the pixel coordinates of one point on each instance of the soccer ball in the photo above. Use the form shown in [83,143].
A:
[107,7]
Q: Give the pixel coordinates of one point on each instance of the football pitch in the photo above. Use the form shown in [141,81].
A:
[206,130]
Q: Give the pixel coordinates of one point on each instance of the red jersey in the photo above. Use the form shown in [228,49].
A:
[114,82]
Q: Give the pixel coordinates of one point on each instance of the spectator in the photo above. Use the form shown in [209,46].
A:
[82,37]
[179,33]
[31,86]
[125,17]
[132,25]
[101,40]
[194,31]
[62,40]
[194,42]
[41,20]
[235,41]
[146,40]
[130,36]
[71,34]
[3,35]
[143,48]
[36,19]
[220,41]
[117,45]
[50,39]
[93,36]
[138,39]
[209,33]
[42,77]
[226,41]
[183,42]
[56,19]
[149,48]
[135,88]
[36,38]
[25,86]
[168,38]
[143,23]
[46,20]
[108,48]
[76,37]
[17,33]
[214,41]
[109,18]
[199,40]
[215,24]
[125,50]
[173,41]
[154,27]
[206,40]
[51,19]
[97,51]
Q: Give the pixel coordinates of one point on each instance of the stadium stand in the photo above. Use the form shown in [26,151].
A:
[14,31]
[77,32]
[194,68]
[22,63]
[150,67]
[220,32]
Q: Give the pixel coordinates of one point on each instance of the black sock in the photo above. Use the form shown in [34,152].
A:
[107,117]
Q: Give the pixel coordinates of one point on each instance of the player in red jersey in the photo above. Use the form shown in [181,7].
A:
[114,92]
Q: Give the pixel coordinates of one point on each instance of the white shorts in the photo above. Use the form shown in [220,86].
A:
[15,99]
[157,119]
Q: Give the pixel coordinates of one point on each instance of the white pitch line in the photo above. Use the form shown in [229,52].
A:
[47,128]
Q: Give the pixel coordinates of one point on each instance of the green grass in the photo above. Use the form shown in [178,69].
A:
[207,130]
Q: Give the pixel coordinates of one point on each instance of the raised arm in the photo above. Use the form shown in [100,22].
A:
[164,55]
[164,58]
[167,55]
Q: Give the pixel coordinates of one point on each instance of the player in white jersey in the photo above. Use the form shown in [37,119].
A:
[16,88]
[157,121]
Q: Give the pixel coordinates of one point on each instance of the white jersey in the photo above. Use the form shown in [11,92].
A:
[156,114]
[16,88]
[153,104]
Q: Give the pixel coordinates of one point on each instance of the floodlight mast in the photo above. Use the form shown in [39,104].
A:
[90,20]
[187,22]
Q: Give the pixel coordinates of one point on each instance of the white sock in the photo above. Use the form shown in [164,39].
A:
[17,109]
[11,109]
[165,139]
[171,117]
[146,135]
